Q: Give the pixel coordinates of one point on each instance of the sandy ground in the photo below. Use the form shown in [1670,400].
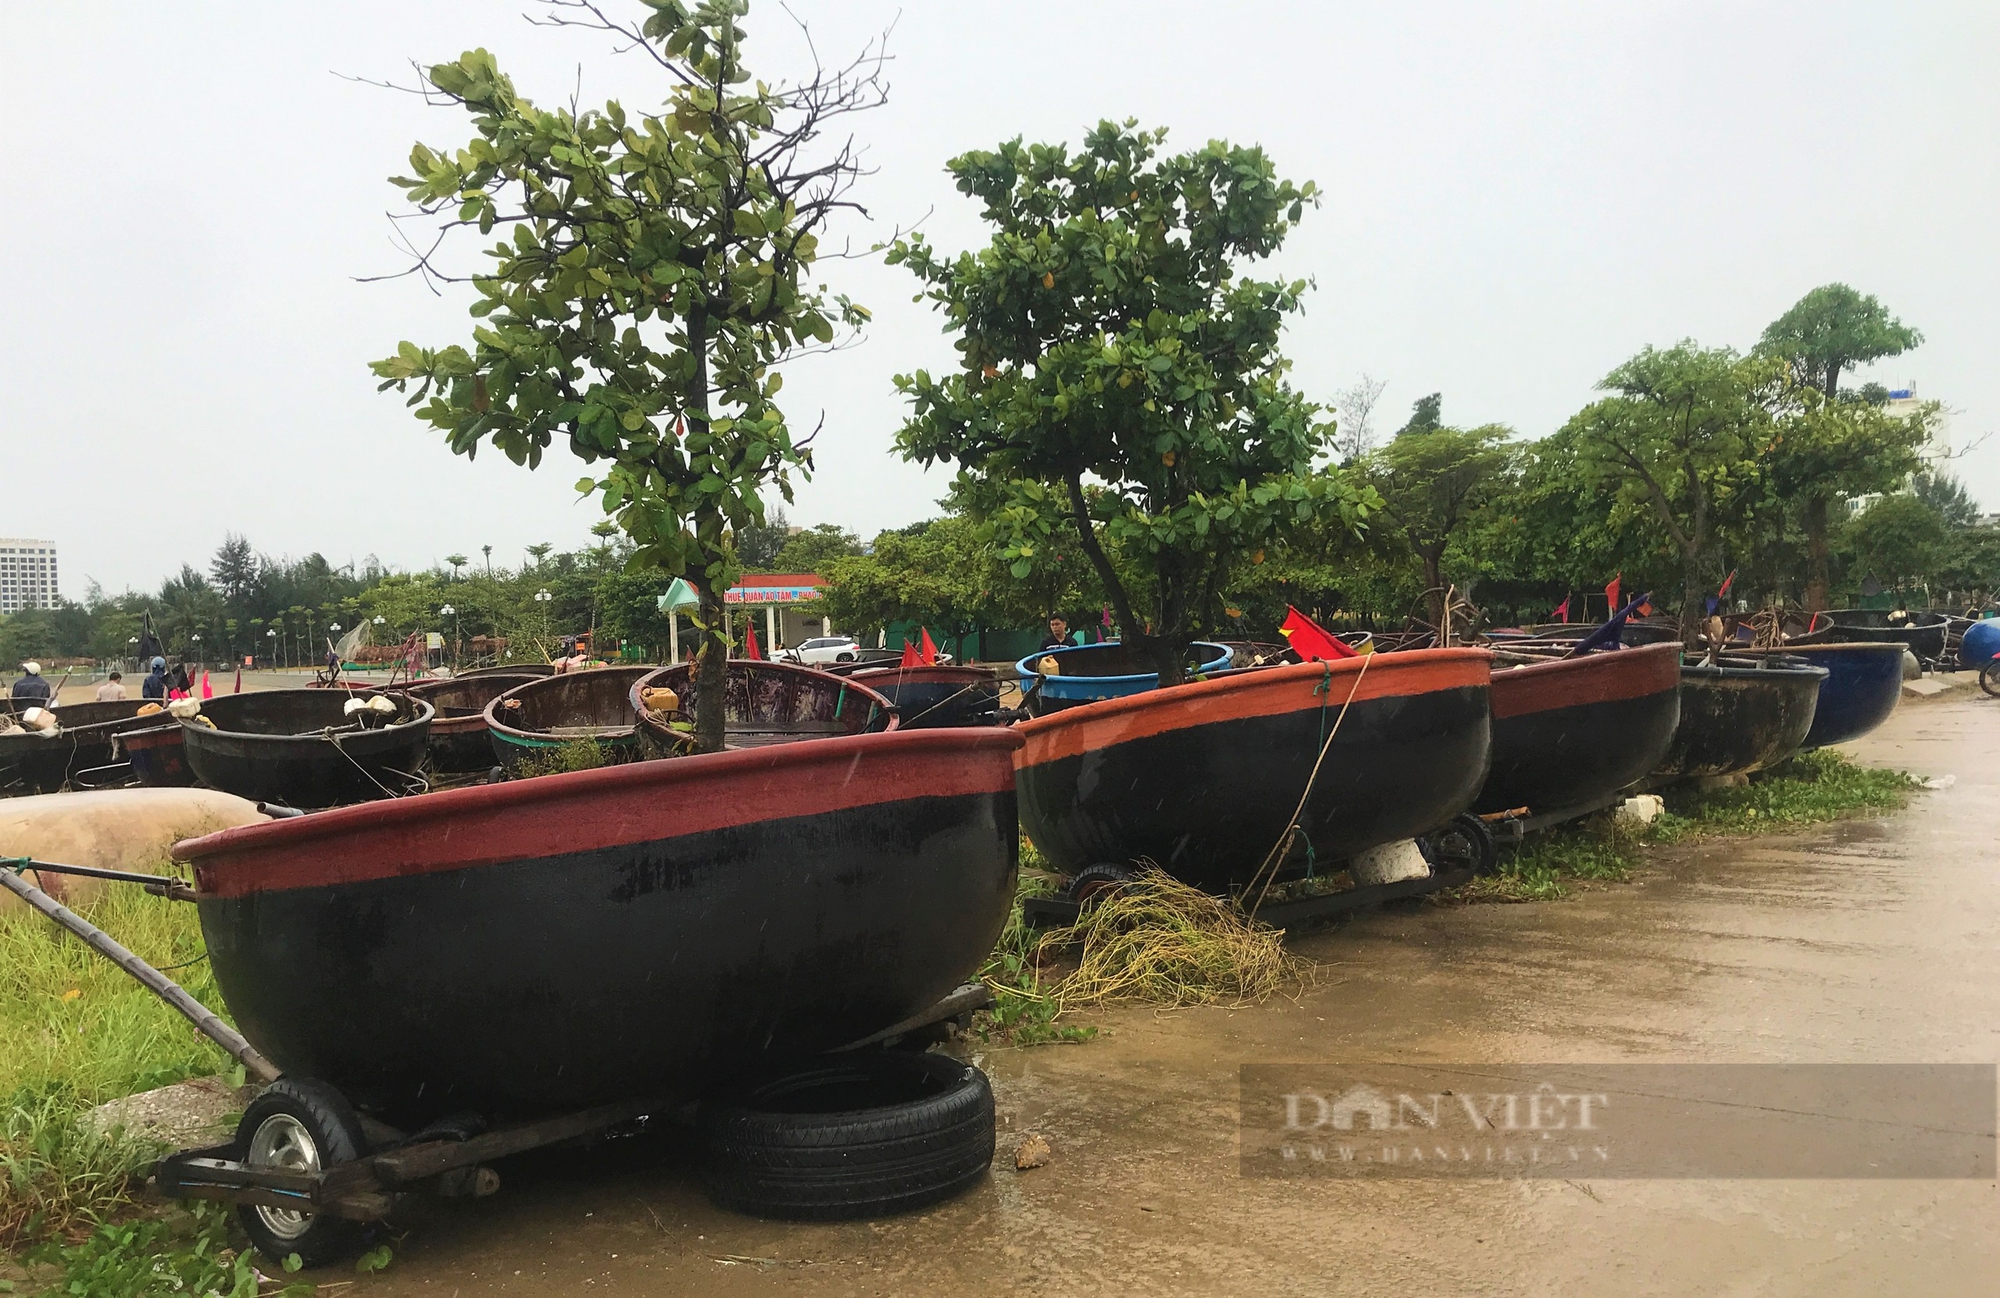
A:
[1868,941]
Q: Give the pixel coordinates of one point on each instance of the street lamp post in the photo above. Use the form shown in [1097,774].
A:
[452,613]
[272,636]
[543,597]
[196,641]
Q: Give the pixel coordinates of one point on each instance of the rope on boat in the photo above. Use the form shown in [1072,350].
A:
[328,735]
[1267,873]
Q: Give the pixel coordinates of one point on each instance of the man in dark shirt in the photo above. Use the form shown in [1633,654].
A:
[1058,636]
[156,683]
[31,687]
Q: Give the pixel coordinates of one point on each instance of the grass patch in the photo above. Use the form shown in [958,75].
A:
[1811,789]
[1024,1009]
[576,755]
[1547,865]
[78,1031]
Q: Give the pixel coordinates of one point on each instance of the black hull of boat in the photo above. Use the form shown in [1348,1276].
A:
[275,757]
[1573,732]
[1202,779]
[566,941]
[1736,720]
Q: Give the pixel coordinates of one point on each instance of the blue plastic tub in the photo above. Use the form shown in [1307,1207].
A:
[1103,671]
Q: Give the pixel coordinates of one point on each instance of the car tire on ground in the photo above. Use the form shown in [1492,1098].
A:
[1097,881]
[845,1137]
[302,1125]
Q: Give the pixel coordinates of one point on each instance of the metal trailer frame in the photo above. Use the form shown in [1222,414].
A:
[452,1155]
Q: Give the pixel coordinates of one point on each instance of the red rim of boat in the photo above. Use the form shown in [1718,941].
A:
[1605,677]
[778,763]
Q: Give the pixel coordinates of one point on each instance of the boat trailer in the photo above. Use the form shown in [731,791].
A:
[451,1155]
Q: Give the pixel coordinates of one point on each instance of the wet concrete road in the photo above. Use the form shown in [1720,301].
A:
[1868,941]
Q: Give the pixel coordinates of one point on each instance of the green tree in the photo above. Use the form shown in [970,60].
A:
[814,548]
[1947,495]
[1433,484]
[456,561]
[657,269]
[1825,450]
[235,570]
[1108,332]
[1831,330]
[1899,538]
[1426,414]
[1681,435]
[1843,445]
[757,544]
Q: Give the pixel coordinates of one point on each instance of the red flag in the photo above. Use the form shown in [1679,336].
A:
[1310,639]
[239,682]
[927,651]
[911,658]
[1727,582]
[1611,595]
[1562,611]
[1645,610]
[750,649]
[207,691]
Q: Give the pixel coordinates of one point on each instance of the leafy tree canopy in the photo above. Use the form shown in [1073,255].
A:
[655,269]
[1107,333]
[1833,329]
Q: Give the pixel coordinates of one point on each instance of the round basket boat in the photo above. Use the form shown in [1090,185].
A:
[301,749]
[763,703]
[638,931]
[1743,715]
[459,740]
[31,762]
[534,719]
[1569,732]
[1202,779]
[1111,670]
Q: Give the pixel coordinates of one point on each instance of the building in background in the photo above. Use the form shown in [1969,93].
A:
[1936,450]
[27,574]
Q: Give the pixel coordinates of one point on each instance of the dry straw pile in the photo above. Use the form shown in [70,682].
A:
[1163,942]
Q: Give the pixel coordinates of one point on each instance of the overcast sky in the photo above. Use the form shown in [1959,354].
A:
[1519,197]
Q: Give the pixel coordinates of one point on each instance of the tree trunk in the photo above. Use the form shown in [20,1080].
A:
[711,672]
[1818,572]
[710,675]
[1434,590]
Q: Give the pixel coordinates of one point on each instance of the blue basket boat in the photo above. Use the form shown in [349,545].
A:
[1111,670]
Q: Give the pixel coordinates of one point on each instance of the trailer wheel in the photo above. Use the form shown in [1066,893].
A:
[1989,677]
[306,1126]
[851,1136]
[1463,843]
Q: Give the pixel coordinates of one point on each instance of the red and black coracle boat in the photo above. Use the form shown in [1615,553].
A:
[1202,779]
[1570,732]
[31,762]
[643,930]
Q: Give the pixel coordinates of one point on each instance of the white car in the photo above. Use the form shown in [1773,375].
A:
[824,649]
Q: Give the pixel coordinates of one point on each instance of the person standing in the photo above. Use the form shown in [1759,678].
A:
[31,687]
[156,683]
[113,689]
[1059,636]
